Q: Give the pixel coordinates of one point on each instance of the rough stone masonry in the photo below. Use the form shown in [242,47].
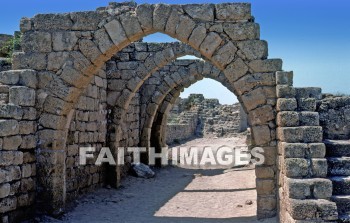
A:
[83,78]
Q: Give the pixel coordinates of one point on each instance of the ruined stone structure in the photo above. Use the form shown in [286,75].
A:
[82,79]
[201,117]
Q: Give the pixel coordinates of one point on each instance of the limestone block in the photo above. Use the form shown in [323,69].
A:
[286,104]
[103,41]
[49,22]
[265,187]
[264,172]
[236,70]
[5,190]
[210,44]
[35,61]
[64,41]
[89,49]
[261,115]
[28,142]
[201,12]
[319,167]
[22,96]
[288,119]
[8,127]
[233,11]
[261,134]
[86,20]
[28,78]
[312,134]
[242,31]
[160,16]
[11,111]
[37,42]
[27,127]
[144,14]
[173,21]
[309,92]
[267,203]
[290,134]
[307,104]
[8,158]
[293,150]
[225,54]
[131,26]
[284,78]
[309,118]
[254,49]
[12,142]
[185,28]
[10,77]
[254,99]
[298,188]
[296,167]
[27,184]
[8,204]
[264,66]
[317,150]
[285,91]
[117,33]
[251,81]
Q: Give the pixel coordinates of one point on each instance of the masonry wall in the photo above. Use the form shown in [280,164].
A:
[178,132]
[88,128]
[335,117]
[17,145]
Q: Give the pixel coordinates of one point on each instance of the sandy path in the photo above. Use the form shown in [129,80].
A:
[174,195]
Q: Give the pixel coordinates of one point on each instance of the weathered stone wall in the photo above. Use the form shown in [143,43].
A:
[204,117]
[67,51]
[88,128]
[335,117]
[304,191]
[17,144]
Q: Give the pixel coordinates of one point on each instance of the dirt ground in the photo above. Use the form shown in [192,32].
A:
[175,195]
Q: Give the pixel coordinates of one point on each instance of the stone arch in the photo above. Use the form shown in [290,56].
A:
[84,41]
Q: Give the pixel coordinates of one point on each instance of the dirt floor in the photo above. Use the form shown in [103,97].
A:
[175,195]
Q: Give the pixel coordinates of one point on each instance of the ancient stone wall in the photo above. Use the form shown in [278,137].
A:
[335,117]
[88,128]
[67,52]
[197,116]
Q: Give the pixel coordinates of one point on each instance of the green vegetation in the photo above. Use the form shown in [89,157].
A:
[11,45]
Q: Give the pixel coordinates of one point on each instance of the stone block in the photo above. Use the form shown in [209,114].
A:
[265,66]
[211,42]
[290,134]
[296,167]
[8,111]
[307,104]
[319,167]
[8,127]
[49,22]
[35,61]
[264,172]
[64,41]
[302,209]
[285,91]
[293,150]
[4,190]
[309,119]
[22,96]
[233,11]
[261,115]
[312,134]
[254,49]
[144,14]
[288,119]
[37,42]
[200,12]
[284,78]
[12,142]
[317,150]
[242,31]
[261,135]
[309,92]
[236,70]
[10,77]
[265,187]
[286,104]
[8,158]
[8,204]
